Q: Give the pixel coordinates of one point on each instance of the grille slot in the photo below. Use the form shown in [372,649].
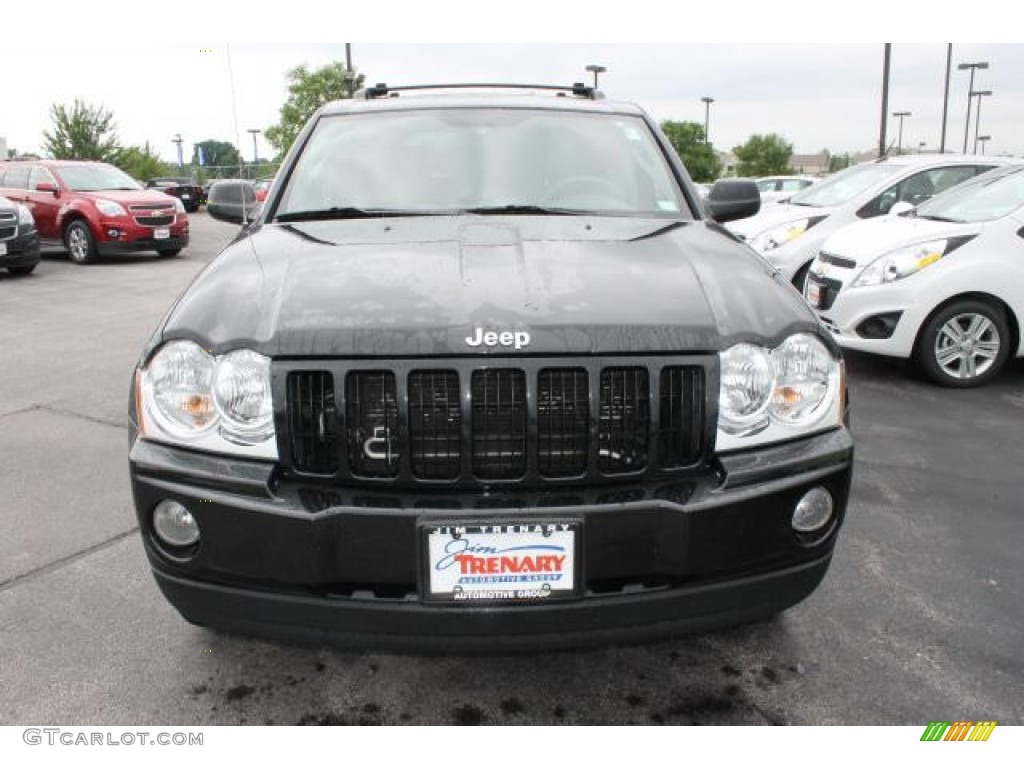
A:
[681,416]
[6,233]
[313,421]
[563,421]
[154,221]
[499,423]
[435,425]
[371,408]
[624,420]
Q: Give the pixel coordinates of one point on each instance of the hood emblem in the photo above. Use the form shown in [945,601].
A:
[516,339]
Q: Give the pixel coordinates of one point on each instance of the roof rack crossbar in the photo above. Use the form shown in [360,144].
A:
[383,89]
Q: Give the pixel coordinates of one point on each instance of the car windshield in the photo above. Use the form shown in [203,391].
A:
[984,198]
[844,186]
[93,178]
[482,160]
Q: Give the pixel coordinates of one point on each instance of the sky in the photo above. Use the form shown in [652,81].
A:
[824,95]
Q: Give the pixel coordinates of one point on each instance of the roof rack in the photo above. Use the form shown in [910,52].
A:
[382,89]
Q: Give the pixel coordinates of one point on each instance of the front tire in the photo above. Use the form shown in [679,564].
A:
[168,251]
[79,242]
[965,344]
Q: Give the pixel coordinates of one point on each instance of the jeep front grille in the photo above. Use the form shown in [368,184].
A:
[467,422]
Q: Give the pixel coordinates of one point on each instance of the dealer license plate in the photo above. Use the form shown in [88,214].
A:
[813,293]
[3,249]
[186,197]
[500,562]
[161,234]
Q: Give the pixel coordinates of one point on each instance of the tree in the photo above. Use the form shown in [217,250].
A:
[308,90]
[764,155]
[217,153]
[83,132]
[839,162]
[697,155]
[141,163]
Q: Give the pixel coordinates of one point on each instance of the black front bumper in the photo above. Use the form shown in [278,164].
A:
[297,561]
[22,251]
[116,248]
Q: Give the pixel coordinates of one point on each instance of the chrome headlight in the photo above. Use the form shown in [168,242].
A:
[110,208]
[905,261]
[781,234]
[25,219]
[766,395]
[221,405]
[241,394]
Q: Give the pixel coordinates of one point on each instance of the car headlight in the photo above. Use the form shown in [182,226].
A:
[241,394]
[25,218]
[110,208]
[770,395]
[221,405]
[906,261]
[779,235]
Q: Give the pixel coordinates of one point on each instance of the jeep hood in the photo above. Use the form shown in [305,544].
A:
[421,286]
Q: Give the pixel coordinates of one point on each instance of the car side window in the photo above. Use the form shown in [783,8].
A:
[16,177]
[917,188]
[793,185]
[40,176]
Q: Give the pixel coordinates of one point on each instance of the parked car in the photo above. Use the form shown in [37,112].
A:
[943,284]
[185,189]
[19,240]
[789,235]
[777,188]
[94,209]
[484,374]
[261,188]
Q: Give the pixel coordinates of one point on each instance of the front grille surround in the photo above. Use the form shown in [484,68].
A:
[441,454]
[155,221]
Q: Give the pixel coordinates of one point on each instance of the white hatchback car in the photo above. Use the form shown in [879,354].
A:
[943,284]
[775,189]
[790,234]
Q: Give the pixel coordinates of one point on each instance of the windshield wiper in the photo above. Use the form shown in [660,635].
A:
[347,212]
[519,209]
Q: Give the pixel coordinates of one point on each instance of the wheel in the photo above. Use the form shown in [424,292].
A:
[964,344]
[21,271]
[79,242]
[168,251]
[192,208]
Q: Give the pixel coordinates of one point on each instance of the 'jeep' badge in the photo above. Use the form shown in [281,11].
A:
[517,339]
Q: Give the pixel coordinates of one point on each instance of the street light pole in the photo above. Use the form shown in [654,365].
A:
[348,56]
[255,152]
[708,101]
[983,139]
[977,116]
[899,143]
[883,129]
[181,161]
[596,69]
[945,97]
[971,65]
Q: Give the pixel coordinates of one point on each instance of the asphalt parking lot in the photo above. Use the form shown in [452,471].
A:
[920,618]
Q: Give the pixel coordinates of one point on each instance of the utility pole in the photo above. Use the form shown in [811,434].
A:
[348,56]
[255,152]
[597,69]
[945,98]
[900,115]
[708,101]
[972,65]
[181,160]
[885,100]
[977,116]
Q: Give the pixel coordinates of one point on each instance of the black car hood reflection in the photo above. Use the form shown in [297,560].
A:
[422,285]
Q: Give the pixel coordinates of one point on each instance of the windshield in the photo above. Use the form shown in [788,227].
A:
[843,186]
[482,160]
[984,198]
[93,178]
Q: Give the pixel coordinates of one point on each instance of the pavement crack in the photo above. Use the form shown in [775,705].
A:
[83,417]
[56,565]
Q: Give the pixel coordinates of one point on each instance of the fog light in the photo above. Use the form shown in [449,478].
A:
[115,233]
[813,511]
[174,524]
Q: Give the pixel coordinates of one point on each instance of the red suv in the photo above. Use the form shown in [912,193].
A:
[94,209]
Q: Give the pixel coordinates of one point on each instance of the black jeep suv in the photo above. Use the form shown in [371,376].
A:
[486,373]
[19,240]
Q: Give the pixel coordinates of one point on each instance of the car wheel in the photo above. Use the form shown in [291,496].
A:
[964,344]
[21,271]
[79,242]
[168,251]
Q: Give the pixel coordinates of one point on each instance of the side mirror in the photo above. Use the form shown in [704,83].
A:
[732,199]
[45,186]
[900,208]
[233,201]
